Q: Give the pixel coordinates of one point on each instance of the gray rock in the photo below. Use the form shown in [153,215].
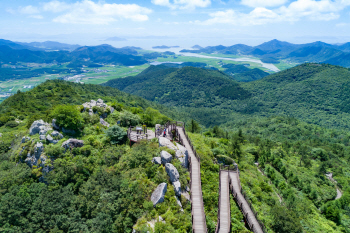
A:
[39,127]
[32,160]
[25,139]
[103,122]
[91,112]
[42,137]
[54,125]
[92,103]
[56,134]
[49,138]
[158,194]
[179,203]
[72,143]
[112,109]
[164,142]
[172,172]
[68,131]
[166,157]
[177,188]
[182,155]
[0,135]
[157,160]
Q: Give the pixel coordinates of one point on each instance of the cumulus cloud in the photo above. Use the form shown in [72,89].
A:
[263,3]
[323,10]
[182,4]
[88,12]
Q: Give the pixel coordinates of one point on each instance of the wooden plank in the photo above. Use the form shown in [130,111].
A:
[225,216]
[247,211]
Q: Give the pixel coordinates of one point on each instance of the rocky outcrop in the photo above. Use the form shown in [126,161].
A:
[164,142]
[182,155]
[157,160]
[32,160]
[172,172]
[39,127]
[51,140]
[177,188]
[158,194]
[166,157]
[179,203]
[72,143]
[103,122]
[57,134]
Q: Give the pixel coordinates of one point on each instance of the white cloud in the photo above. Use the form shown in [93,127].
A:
[88,12]
[263,3]
[55,6]
[323,10]
[182,4]
[28,10]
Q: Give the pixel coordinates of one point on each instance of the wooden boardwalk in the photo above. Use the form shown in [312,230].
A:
[224,220]
[198,217]
[243,204]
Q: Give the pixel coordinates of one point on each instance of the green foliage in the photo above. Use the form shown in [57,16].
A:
[67,116]
[194,127]
[285,221]
[129,119]
[116,134]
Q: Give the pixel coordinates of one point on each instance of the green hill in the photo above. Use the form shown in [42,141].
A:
[187,87]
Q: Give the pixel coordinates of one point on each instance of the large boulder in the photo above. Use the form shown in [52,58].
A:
[103,122]
[72,143]
[177,188]
[32,160]
[157,160]
[57,134]
[39,127]
[166,157]
[158,194]
[172,172]
[164,142]
[182,155]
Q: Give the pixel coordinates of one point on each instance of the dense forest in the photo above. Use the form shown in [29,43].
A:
[287,132]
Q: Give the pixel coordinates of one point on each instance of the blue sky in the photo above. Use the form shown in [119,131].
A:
[176,22]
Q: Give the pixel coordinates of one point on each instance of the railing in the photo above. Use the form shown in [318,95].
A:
[181,140]
[136,137]
[243,209]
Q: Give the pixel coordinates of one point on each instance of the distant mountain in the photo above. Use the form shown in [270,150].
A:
[274,45]
[51,45]
[14,45]
[197,47]
[115,39]
[341,60]
[244,74]
[275,50]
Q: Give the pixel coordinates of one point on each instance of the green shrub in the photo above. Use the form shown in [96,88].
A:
[116,134]
[68,116]
[12,124]
[128,119]
[224,160]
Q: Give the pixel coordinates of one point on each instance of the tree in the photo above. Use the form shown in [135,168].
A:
[285,221]
[116,134]
[194,127]
[235,149]
[68,116]
[128,119]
